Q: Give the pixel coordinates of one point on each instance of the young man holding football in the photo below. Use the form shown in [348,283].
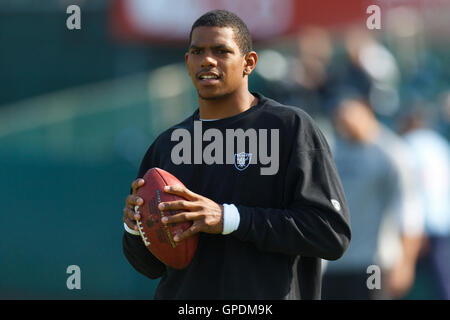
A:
[262,233]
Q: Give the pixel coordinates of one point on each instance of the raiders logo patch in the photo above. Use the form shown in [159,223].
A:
[242,160]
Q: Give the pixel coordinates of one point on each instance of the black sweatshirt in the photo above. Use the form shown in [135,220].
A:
[289,218]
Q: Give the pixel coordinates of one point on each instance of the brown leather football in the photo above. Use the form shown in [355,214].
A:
[157,236]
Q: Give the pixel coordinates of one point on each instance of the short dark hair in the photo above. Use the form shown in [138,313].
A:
[224,19]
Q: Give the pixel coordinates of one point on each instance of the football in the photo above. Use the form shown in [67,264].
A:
[157,236]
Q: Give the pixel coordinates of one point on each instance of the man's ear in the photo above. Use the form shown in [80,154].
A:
[186,62]
[251,59]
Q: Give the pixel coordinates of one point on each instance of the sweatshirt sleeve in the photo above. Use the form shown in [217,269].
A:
[315,220]
[140,258]
[133,248]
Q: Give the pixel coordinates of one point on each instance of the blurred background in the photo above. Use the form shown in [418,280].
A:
[79,108]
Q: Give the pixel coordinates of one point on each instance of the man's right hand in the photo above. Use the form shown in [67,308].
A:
[130,216]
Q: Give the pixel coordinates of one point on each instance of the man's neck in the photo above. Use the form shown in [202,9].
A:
[226,106]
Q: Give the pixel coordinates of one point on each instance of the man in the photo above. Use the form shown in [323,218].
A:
[431,155]
[375,169]
[264,221]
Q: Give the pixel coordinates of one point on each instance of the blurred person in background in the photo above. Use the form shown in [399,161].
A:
[421,68]
[350,71]
[432,160]
[373,163]
[369,68]
[308,83]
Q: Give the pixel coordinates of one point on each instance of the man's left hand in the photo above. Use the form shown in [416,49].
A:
[206,215]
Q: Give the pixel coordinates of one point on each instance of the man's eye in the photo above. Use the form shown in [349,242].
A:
[222,51]
[195,51]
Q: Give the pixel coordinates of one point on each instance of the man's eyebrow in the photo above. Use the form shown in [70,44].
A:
[222,46]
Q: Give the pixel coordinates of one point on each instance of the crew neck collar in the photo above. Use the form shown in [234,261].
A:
[261,101]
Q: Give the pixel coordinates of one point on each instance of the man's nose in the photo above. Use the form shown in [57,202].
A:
[208,61]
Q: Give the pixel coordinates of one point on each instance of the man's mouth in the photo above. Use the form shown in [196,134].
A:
[208,77]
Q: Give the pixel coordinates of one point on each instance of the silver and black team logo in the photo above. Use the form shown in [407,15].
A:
[242,160]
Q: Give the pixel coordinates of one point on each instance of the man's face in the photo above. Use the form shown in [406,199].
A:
[355,121]
[214,62]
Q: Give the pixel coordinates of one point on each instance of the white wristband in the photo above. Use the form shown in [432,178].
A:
[131,231]
[231,218]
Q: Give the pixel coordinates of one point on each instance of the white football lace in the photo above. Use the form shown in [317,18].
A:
[141,229]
